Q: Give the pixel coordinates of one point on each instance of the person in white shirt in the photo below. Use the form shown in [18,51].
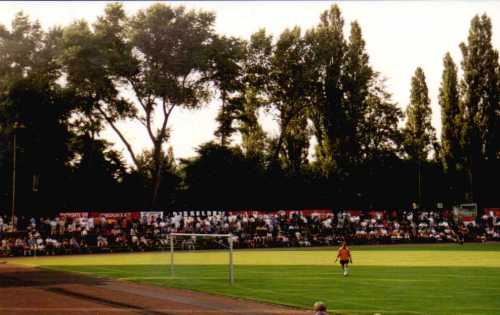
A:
[53,227]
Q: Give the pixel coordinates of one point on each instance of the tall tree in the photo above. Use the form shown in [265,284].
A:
[378,132]
[227,57]
[325,57]
[379,139]
[28,51]
[240,71]
[253,137]
[480,99]
[161,55]
[296,143]
[42,144]
[18,48]
[340,89]
[254,94]
[451,121]
[97,98]
[31,98]
[288,89]
[419,134]
[356,84]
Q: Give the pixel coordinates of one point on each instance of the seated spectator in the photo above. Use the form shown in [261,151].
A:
[102,242]
[65,235]
[75,246]
[144,243]
[40,246]
[4,247]
[135,242]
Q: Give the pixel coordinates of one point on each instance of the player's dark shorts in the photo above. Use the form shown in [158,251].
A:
[344,262]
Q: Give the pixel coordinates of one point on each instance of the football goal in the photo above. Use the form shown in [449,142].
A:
[188,241]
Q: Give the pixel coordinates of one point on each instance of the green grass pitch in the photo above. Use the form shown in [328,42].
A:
[401,279]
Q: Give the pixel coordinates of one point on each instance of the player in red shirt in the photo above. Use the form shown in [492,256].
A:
[344,254]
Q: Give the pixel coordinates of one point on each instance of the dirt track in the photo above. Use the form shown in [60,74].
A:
[26,290]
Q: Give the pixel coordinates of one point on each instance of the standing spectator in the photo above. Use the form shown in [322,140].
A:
[53,227]
[62,222]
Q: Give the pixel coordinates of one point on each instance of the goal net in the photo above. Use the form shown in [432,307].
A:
[192,241]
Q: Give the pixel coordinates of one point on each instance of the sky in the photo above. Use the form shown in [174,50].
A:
[400,36]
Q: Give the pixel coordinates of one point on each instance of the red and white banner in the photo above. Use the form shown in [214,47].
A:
[306,212]
[194,213]
[115,215]
[74,215]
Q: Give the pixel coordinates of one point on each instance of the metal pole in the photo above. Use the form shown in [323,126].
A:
[171,256]
[419,183]
[14,181]
[231,266]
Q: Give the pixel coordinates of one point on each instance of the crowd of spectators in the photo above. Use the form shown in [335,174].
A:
[59,235]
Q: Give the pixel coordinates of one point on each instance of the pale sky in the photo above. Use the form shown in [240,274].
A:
[400,36]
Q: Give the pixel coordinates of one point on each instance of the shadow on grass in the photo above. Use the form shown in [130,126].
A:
[39,277]
[367,290]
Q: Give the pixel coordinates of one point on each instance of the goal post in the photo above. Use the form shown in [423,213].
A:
[229,237]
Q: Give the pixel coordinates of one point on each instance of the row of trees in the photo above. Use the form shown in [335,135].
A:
[59,89]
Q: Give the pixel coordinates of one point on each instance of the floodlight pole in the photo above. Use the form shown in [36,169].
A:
[13,209]
[231,267]
[419,184]
[171,255]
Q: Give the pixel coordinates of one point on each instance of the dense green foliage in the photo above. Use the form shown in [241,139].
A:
[341,141]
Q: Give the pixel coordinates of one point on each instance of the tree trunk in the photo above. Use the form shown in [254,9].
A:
[278,148]
[470,195]
[223,109]
[156,176]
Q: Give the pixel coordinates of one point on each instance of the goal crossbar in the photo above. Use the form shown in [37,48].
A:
[201,234]
[230,241]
